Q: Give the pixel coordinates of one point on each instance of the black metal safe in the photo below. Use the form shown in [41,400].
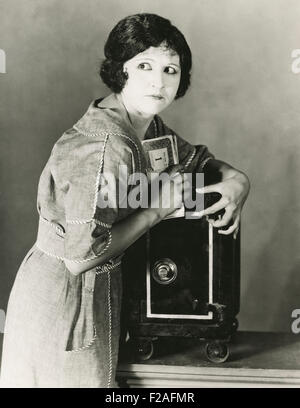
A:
[182,279]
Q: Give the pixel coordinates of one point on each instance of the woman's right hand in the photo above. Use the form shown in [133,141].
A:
[169,196]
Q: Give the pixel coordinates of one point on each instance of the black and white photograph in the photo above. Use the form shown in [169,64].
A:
[149,196]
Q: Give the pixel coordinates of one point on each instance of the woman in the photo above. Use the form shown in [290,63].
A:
[62,327]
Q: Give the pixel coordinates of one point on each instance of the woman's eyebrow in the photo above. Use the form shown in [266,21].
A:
[152,59]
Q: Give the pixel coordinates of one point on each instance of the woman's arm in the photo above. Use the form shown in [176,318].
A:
[234,186]
[234,189]
[125,232]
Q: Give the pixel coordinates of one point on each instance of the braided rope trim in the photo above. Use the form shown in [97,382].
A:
[109,333]
[101,161]
[106,268]
[103,224]
[60,258]
[88,134]
[137,149]
[107,134]
[99,173]
[79,221]
[52,225]
[87,345]
[96,256]
[190,159]
[205,161]
[78,260]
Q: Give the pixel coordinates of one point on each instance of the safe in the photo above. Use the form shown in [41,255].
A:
[182,279]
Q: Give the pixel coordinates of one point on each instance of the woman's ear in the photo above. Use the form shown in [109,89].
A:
[125,71]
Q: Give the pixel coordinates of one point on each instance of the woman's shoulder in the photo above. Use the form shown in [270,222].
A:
[97,129]
[104,116]
[75,148]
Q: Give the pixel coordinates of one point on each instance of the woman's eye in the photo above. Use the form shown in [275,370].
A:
[144,66]
[170,70]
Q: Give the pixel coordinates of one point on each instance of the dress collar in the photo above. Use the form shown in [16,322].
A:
[110,114]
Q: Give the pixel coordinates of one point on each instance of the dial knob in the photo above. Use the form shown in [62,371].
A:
[164,271]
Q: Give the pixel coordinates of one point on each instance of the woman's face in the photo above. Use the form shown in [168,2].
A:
[153,80]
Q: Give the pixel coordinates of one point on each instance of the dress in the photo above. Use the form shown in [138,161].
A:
[63,330]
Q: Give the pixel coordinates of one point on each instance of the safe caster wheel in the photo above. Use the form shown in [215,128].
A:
[143,349]
[217,352]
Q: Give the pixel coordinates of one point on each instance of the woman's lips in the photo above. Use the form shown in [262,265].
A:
[157,97]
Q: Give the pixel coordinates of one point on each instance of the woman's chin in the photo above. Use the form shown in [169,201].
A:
[153,107]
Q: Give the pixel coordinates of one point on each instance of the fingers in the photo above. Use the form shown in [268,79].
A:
[181,180]
[235,234]
[177,180]
[219,205]
[210,189]
[227,217]
[172,170]
[233,228]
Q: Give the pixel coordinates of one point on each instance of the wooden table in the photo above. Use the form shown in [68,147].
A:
[256,360]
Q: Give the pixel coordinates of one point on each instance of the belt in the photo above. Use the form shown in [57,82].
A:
[77,326]
[77,319]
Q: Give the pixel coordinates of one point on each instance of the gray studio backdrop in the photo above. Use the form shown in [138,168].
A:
[244,103]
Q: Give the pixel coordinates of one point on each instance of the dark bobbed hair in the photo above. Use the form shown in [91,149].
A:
[135,34]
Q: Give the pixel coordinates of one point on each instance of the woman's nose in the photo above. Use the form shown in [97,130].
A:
[157,80]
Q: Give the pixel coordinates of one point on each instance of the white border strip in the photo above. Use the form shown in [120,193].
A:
[210,261]
[209,315]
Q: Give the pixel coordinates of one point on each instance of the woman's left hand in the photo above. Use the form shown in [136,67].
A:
[234,191]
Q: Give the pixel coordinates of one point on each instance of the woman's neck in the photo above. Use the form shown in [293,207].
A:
[138,121]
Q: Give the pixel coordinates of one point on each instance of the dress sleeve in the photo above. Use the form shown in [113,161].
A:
[193,157]
[91,199]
